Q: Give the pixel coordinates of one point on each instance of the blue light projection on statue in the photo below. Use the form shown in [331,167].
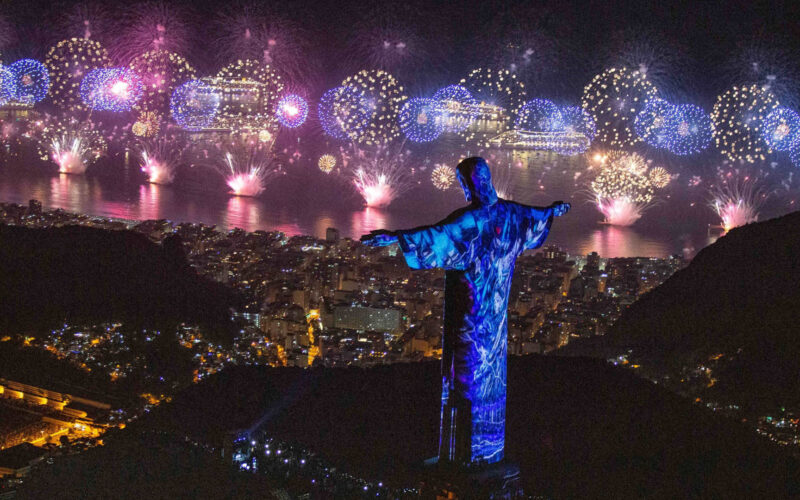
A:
[477,246]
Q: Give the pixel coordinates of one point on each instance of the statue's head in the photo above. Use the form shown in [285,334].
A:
[476,181]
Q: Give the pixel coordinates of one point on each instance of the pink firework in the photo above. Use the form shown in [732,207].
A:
[252,32]
[88,20]
[620,211]
[160,159]
[380,173]
[152,26]
[737,201]
[248,164]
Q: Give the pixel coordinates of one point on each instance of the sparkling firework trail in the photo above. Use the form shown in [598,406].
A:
[248,164]
[73,145]
[737,200]
[160,158]
[379,173]
[152,26]
[623,190]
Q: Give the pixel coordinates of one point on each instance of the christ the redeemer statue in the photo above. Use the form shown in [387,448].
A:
[477,246]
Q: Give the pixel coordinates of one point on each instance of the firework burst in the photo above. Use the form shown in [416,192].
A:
[67,63]
[326,163]
[161,72]
[73,145]
[384,97]
[614,98]
[659,177]
[248,164]
[442,177]
[151,27]
[737,200]
[738,118]
[159,158]
[622,191]
[379,173]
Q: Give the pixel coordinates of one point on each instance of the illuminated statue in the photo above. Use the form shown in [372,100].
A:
[477,246]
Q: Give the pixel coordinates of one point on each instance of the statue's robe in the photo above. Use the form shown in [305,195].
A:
[477,246]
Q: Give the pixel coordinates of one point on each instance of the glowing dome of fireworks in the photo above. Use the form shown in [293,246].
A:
[344,112]
[539,115]
[326,163]
[194,105]
[67,63]
[442,177]
[161,72]
[30,81]
[781,129]
[738,118]
[691,130]
[614,98]
[111,89]
[384,96]
[291,110]
[419,119]
[457,108]
[654,122]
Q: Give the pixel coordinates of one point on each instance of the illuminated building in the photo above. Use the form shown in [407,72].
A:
[366,318]
[244,105]
[484,119]
[523,139]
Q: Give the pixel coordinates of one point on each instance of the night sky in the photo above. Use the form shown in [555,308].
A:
[694,50]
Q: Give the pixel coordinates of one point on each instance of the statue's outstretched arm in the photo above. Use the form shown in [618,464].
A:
[385,237]
[538,221]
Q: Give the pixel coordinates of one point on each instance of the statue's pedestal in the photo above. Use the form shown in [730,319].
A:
[500,481]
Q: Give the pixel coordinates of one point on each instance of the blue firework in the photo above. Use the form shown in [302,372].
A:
[781,129]
[8,88]
[654,121]
[291,110]
[457,108]
[690,131]
[539,115]
[576,121]
[194,105]
[419,121]
[31,80]
[111,89]
[794,155]
[344,112]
